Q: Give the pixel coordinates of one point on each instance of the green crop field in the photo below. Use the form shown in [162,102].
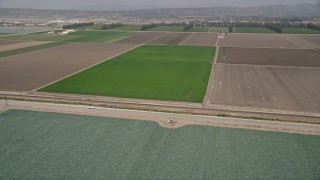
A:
[299,31]
[29,49]
[207,28]
[40,145]
[177,73]
[79,36]
[167,28]
[200,29]
[99,36]
[251,30]
[127,28]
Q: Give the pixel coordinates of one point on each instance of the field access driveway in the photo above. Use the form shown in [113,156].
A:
[35,69]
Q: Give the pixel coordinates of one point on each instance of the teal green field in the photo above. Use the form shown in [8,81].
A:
[299,31]
[167,28]
[251,30]
[79,36]
[176,73]
[39,145]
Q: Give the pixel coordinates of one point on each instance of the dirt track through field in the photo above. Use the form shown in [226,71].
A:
[273,87]
[200,39]
[19,45]
[35,69]
[278,57]
[171,39]
[142,37]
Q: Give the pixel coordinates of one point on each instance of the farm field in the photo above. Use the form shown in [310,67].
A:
[200,29]
[277,57]
[127,28]
[176,73]
[142,37]
[16,31]
[31,70]
[251,30]
[167,28]
[268,41]
[19,45]
[79,36]
[6,42]
[274,87]
[51,145]
[43,45]
[299,31]
[200,39]
[303,41]
[99,36]
[170,39]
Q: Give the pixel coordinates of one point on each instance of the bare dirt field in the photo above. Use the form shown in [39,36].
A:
[35,69]
[200,39]
[256,41]
[311,38]
[171,39]
[6,42]
[303,41]
[267,87]
[19,45]
[266,56]
[142,37]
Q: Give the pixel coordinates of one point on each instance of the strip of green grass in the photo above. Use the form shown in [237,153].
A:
[167,28]
[29,49]
[176,73]
[40,37]
[299,31]
[39,145]
[251,30]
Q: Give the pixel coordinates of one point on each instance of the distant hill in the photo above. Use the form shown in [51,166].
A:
[298,10]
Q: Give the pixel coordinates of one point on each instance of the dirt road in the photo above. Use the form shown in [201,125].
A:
[162,118]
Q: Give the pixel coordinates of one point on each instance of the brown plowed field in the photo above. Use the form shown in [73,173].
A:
[274,87]
[256,41]
[6,42]
[19,45]
[278,57]
[200,39]
[312,38]
[171,39]
[303,41]
[35,69]
[142,37]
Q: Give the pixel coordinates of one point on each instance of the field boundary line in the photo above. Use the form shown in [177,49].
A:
[162,117]
[206,99]
[179,107]
[87,68]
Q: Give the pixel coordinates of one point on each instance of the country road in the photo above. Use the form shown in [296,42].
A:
[162,118]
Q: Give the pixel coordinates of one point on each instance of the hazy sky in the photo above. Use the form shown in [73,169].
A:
[73,4]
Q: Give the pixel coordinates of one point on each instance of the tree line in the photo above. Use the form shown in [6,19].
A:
[76,25]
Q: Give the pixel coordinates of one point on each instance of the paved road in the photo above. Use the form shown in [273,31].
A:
[162,118]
